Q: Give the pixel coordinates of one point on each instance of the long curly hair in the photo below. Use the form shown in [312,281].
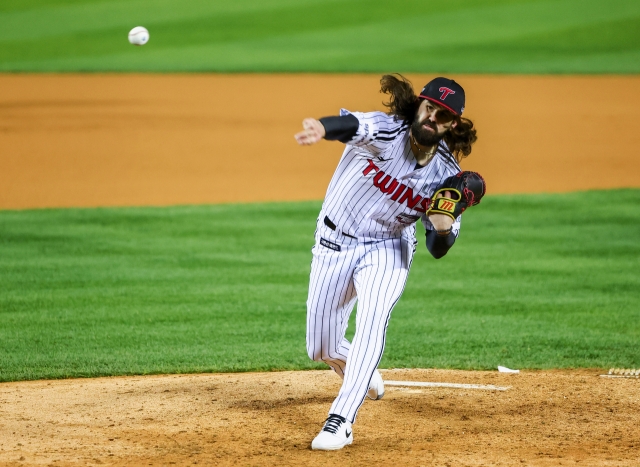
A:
[403,104]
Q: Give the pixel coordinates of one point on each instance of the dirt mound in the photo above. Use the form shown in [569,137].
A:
[546,418]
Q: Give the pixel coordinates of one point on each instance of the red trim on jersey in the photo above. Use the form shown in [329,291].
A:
[439,103]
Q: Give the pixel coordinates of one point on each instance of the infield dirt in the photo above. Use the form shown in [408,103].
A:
[546,418]
[122,140]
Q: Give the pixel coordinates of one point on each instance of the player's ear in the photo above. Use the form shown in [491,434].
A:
[454,123]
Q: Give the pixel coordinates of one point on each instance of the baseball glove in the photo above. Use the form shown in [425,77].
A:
[466,189]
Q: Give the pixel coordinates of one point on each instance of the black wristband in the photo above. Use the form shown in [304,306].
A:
[341,129]
[439,245]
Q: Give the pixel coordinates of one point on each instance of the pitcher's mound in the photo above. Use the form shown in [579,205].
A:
[546,418]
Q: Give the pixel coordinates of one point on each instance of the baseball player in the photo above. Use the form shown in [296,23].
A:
[397,168]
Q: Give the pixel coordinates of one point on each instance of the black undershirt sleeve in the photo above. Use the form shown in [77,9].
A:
[438,245]
[342,128]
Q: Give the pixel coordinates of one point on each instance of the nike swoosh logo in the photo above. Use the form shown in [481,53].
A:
[348,433]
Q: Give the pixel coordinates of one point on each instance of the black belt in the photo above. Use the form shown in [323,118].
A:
[332,226]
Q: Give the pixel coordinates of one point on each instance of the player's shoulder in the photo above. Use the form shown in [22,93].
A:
[377,118]
[376,130]
[447,159]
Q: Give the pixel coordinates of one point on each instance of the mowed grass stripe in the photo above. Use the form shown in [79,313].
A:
[51,18]
[483,36]
[534,281]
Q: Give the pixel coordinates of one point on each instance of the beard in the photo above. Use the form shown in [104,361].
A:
[425,137]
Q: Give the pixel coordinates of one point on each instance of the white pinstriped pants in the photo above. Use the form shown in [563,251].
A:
[374,274]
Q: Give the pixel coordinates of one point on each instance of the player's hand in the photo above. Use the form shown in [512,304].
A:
[441,221]
[313,132]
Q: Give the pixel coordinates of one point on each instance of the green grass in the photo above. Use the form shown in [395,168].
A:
[470,36]
[534,281]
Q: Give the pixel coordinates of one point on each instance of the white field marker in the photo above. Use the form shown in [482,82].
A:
[622,373]
[489,387]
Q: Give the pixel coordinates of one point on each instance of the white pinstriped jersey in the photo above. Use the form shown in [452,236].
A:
[377,191]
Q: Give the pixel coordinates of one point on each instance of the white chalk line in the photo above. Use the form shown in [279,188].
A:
[619,376]
[421,384]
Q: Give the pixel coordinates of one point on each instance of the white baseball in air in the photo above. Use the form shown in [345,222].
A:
[139,35]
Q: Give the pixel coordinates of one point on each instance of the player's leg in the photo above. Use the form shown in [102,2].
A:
[379,280]
[331,298]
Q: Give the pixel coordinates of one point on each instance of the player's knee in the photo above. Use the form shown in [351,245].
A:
[315,354]
[322,355]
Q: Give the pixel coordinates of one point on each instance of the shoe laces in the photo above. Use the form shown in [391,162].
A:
[332,424]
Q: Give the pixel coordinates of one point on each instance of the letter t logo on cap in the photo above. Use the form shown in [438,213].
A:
[445,92]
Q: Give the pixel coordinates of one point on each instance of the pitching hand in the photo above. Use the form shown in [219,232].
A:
[312,133]
[441,221]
